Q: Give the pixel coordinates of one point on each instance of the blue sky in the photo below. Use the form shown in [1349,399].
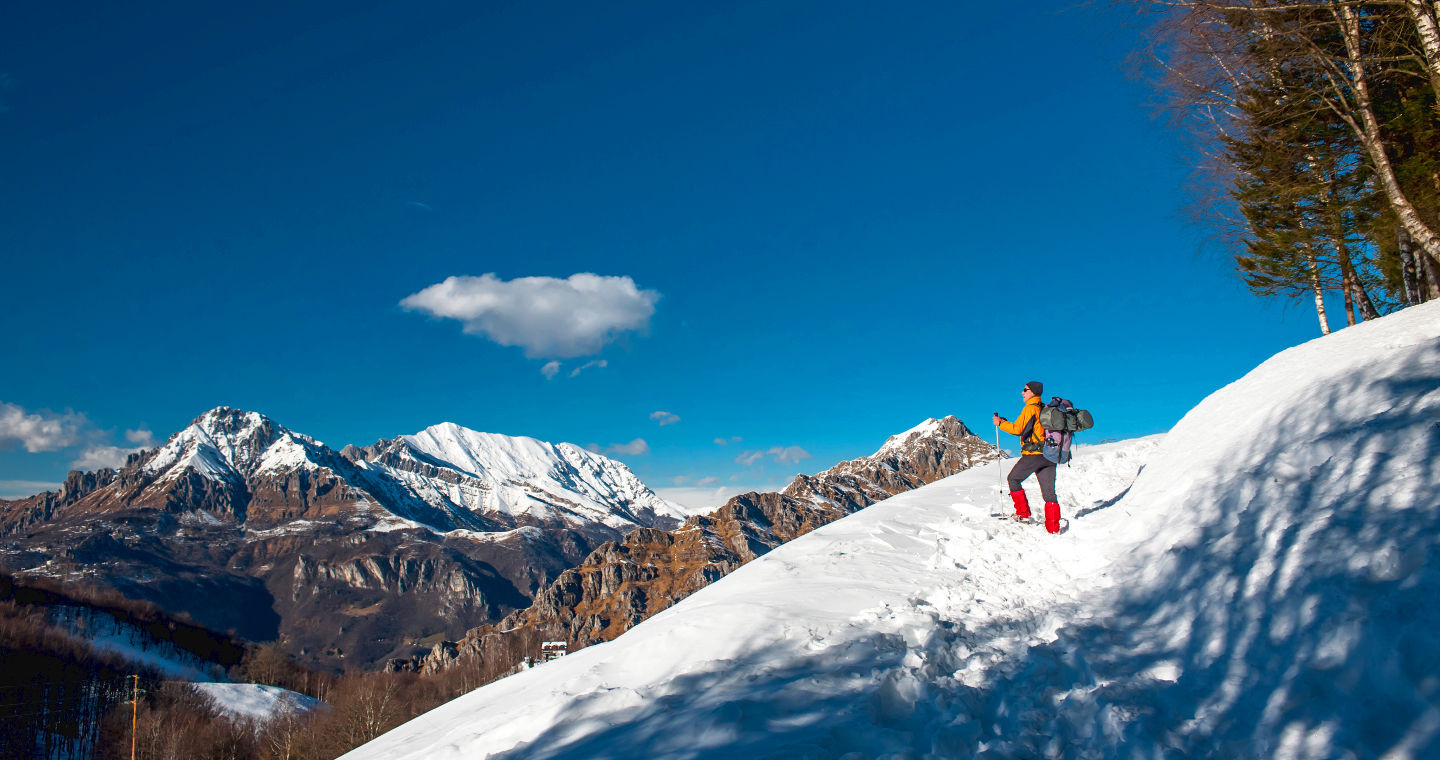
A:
[811,225]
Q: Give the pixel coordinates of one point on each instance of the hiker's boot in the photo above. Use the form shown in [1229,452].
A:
[1022,506]
[1052,517]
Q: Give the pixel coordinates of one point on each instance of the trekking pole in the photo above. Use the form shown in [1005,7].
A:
[999,470]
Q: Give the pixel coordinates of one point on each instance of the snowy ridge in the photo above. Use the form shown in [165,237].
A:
[1259,582]
[520,476]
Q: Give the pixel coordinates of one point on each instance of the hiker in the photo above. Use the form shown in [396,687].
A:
[1032,462]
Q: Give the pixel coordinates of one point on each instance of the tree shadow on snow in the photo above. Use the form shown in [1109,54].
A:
[1300,620]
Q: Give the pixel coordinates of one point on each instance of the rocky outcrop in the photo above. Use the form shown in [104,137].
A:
[624,582]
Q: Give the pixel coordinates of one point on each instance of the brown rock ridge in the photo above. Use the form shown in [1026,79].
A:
[624,582]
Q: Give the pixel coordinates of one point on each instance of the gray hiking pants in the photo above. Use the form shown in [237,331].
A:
[1043,469]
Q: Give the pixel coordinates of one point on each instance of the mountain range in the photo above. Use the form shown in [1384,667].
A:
[345,558]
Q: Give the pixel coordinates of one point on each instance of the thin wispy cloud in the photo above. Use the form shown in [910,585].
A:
[788,454]
[20,489]
[749,458]
[597,364]
[419,205]
[780,454]
[705,496]
[665,418]
[550,370]
[550,318]
[635,448]
[728,441]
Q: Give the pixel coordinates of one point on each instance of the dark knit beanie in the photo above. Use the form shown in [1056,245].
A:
[1035,388]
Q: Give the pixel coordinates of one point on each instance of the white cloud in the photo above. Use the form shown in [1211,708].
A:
[665,418]
[41,431]
[20,489]
[547,316]
[550,370]
[47,431]
[680,480]
[749,458]
[141,437]
[100,457]
[697,501]
[703,500]
[781,454]
[788,454]
[597,364]
[708,481]
[635,448]
[728,441]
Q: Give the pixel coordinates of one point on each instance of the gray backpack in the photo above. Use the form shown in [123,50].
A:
[1062,421]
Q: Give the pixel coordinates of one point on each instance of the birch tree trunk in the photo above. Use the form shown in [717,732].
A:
[1431,278]
[1408,281]
[1367,306]
[1368,131]
[1426,16]
[1319,293]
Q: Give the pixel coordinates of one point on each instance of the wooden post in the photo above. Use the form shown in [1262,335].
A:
[134,714]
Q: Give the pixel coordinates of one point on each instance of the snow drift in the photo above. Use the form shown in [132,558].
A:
[1259,582]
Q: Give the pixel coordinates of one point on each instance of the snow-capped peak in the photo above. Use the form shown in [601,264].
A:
[226,443]
[927,429]
[945,430]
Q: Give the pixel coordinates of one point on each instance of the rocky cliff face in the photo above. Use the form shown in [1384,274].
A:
[626,581]
[347,558]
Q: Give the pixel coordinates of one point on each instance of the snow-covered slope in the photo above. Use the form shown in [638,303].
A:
[1259,582]
[104,633]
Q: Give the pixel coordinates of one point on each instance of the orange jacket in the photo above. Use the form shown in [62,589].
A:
[1030,445]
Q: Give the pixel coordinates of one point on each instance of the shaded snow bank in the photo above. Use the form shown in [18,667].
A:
[1257,583]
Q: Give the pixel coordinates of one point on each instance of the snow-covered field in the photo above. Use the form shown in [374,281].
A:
[256,702]
[1259,582]
[103,632]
